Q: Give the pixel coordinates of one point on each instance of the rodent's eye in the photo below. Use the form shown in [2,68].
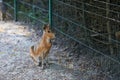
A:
[48,31]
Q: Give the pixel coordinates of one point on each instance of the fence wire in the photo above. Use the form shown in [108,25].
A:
[94,24]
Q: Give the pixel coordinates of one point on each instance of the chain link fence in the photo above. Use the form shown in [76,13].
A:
[95,24]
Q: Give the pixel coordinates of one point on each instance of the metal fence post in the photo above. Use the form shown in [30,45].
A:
[50,13]
[15,10]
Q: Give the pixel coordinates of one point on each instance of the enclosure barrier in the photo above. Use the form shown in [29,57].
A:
[94,24]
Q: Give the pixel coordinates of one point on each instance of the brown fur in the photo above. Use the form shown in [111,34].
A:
[42,49]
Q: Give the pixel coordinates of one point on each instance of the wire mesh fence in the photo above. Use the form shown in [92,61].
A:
[94,24]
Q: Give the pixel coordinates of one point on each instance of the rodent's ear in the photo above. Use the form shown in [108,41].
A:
[46,26]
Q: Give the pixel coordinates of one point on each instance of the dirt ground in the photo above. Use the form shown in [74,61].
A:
[15,62]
